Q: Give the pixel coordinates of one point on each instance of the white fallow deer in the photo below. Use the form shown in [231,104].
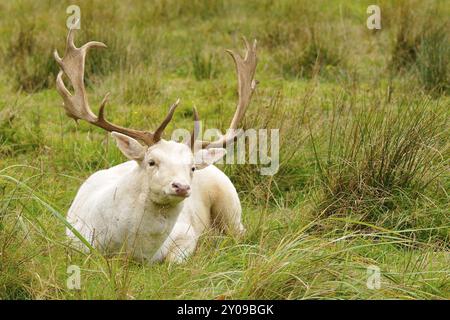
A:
[156,205]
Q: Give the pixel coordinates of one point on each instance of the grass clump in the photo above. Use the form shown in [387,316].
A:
[422,48]
[30,59]
[316,59]
[380,157]
[17,135]
[142,87]
[407,40]
[203,66]
[433,61]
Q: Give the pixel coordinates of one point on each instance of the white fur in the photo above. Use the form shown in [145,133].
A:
[131,207]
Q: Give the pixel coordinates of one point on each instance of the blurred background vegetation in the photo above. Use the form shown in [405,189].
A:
[363,117]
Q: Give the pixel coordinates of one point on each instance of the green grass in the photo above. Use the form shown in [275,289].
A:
[364,150]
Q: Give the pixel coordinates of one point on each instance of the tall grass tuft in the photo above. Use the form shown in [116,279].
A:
[422,47]
[433,61]
[316,59]
[18,135]
[380,159]
[31,64]
[139,87]
[203,66]
[281,188]
[406,41]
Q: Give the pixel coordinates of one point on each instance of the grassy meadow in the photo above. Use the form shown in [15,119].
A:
[364,145]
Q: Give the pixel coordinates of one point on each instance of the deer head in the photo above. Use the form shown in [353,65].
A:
[168,165]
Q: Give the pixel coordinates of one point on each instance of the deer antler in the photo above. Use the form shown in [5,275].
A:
[77,106]
[245,69]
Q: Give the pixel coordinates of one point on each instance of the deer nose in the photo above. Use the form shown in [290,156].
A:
[181,189]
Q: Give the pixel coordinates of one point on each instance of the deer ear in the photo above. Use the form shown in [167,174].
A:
[132,149]
[206,157]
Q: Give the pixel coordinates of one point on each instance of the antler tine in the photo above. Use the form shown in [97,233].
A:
[77,105]
[245,69]
[195,132]
[158,133]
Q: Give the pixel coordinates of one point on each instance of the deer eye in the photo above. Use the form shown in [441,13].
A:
[151,163]
[193,169]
